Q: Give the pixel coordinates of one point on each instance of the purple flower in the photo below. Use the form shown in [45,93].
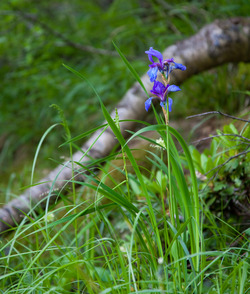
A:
[160,92]
[173,65]
[155,66]
[166,65]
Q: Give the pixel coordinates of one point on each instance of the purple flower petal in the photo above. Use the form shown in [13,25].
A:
[170,102]
[148,103]
[179,66]
[152,73]
[169,60]
[158,87]
[151,52]
[159,90]
[164,104]
[173,88]
[175,65]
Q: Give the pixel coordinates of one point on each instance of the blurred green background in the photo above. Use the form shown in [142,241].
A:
[37,37]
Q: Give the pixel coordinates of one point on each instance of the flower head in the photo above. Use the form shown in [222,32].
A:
[173,65]
[160,260]
[155,66]
[160,92]
[163,66]
[160,144]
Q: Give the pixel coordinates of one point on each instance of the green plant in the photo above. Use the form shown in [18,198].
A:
[146,233]
[223,170]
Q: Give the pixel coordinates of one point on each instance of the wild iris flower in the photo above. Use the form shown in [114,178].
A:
[164,66]
[160,92]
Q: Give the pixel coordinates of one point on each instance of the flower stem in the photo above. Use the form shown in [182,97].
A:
[165,115]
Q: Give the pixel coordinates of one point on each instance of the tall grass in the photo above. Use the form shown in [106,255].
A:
[145,234]
[125,241]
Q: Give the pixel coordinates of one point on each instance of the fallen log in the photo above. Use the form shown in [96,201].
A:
[220,42]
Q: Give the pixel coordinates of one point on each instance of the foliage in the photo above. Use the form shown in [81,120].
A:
[126,239]
[223,170]
[147,232]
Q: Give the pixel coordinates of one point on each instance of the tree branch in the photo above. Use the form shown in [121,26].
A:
[222,134]
[218,112]
[224,163]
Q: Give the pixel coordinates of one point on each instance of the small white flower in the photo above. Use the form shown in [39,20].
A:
[123,249]
[50,217]
[160,260]
[200,176]
[159,142]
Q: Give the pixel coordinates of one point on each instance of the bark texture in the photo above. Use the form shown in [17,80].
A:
[220,42]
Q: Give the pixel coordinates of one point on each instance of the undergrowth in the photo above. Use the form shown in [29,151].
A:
[127,240]
[148,233]
[179,225]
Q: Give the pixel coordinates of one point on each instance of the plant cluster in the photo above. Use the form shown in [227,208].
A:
[223,172]
[146,234]
[172,230]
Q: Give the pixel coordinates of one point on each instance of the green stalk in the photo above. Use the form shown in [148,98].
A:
[123,155]
[68,135]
